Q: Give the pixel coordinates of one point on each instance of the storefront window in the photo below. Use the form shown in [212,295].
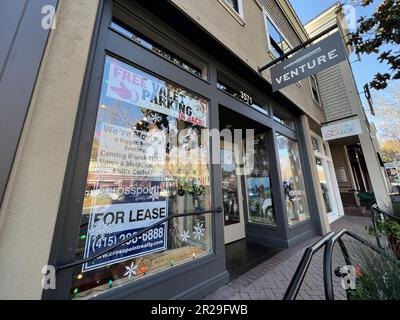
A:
[245,97]
[148,162]
[261,208]
[230,185]
[285,121]
[293,181]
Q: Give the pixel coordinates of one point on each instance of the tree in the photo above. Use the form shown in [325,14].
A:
[387,105]
[390,151]
[382,28]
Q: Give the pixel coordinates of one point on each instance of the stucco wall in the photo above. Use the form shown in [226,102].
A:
[249,41]
[32,197]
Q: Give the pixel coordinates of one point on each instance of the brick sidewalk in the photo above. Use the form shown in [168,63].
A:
[269,280]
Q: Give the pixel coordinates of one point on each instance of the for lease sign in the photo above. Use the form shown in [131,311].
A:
[307,62]
[143,206]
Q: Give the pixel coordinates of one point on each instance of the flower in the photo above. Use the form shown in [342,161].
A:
[358,271]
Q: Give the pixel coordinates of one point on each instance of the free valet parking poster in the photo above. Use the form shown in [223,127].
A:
[143,206]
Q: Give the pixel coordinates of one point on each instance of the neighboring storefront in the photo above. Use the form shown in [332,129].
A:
[358,168]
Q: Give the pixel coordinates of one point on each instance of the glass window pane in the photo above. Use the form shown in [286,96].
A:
[293,181]
[324,185]
[259,191]
[157,49]
[234,4]
[315,144]
[279,45]
[314,89]
[273,32]
[262,107]
[285,121]
[137,177]
[230,186]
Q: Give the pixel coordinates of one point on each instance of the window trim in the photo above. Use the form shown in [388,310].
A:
[162,38]
[322,144]
[267,17]
[312,92]
[239,16]
[281,113]
[224,79]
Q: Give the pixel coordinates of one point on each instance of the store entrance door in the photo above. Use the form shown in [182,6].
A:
[232,193]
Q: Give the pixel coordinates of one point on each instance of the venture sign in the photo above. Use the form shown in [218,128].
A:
[312,60]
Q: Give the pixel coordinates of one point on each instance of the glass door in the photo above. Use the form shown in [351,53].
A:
[325,185]
[232,194]
[327,179]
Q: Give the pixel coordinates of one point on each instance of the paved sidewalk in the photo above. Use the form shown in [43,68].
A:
[269,280]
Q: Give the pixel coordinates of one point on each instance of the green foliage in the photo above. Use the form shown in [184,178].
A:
[389,228]
[382,28]
[379,278]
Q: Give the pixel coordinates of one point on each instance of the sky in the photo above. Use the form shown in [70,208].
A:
[365,69]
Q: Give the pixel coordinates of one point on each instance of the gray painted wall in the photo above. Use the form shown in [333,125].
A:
[22,43]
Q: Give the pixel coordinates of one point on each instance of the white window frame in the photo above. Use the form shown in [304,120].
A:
[239,16]
[326,157]
[266,18]
[311,88]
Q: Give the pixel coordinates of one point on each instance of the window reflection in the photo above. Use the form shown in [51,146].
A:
[293,182]
[259,192]
[324,184]
[278,45]
[230,189]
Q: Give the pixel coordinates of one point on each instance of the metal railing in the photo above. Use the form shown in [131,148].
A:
[379,215]
[122,242]
[328,243]
[328,257]
[302,268]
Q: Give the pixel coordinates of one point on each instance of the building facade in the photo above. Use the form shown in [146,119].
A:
[356,159]
[88,167]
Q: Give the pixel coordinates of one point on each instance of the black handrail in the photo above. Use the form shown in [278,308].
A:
[300,273]
[376,209]
[122,242]
[328,255]
[328,242]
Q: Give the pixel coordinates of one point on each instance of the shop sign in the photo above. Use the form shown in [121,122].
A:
[133,86]
[144,205]
[341,130]
[310,61]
